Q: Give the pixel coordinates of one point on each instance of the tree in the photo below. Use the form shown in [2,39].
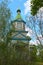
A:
[32,54]
[5,16]
[7,54]
[36,5]
[41,55]
[5,50]
[14,55]
[35,23]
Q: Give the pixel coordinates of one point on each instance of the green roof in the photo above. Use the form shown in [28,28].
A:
[18,16]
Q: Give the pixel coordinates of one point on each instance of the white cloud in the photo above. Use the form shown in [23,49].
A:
[40,13]
[30,32]
[40,38]
[35,42]
[27,5]
[41,9]
[32,42]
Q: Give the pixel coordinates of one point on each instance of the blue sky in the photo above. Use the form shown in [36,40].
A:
[24,5]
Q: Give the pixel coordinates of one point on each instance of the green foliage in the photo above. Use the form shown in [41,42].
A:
[10,55]
[41,55]
[22,54]
[28,38]
[6,54]
[5,16]
[35,5]
[32,54]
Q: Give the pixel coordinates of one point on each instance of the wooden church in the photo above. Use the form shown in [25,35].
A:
[18,34]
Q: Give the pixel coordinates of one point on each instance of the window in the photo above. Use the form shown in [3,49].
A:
[19,25]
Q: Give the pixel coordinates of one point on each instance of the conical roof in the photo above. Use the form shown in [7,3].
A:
[18,17]
[18,14]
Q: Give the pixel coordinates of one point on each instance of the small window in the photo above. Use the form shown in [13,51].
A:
[19,25]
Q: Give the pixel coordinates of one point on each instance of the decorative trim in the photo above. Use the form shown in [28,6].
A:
[15,38]
[21,31]
[19,39]
[17,20]
[20,34]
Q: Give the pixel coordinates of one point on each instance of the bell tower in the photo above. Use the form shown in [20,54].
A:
[18,22]
[18,26]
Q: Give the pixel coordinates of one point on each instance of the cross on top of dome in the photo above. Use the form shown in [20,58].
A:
[19,11]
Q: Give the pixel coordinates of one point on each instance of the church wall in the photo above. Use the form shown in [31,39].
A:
[19,25]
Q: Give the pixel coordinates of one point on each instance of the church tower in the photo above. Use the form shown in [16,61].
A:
[18,29]
[19,23]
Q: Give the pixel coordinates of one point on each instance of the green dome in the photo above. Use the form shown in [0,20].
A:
[18,14]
